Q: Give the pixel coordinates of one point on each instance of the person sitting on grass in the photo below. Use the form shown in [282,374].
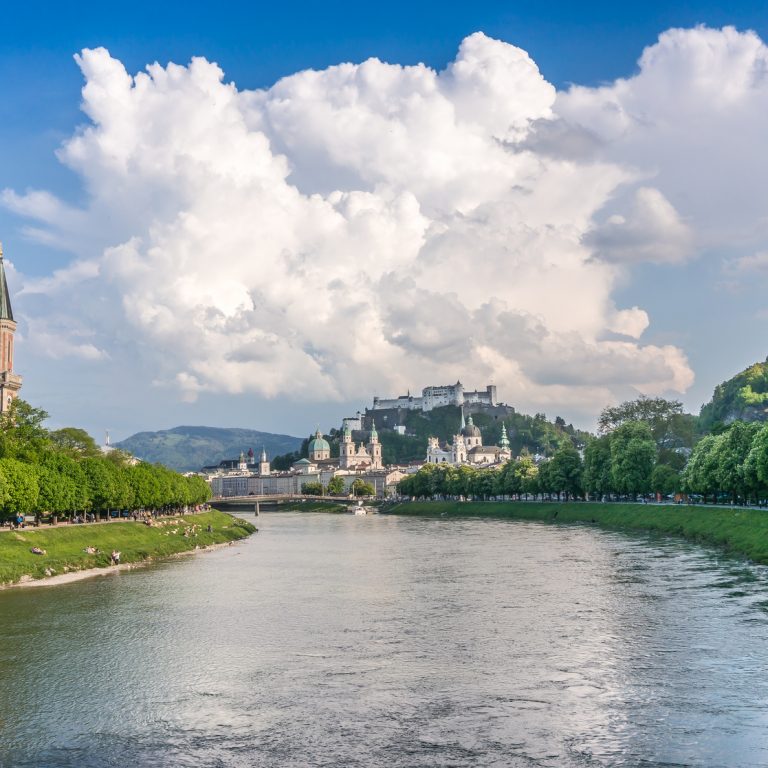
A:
[115,557]
[38,551]
[91,551]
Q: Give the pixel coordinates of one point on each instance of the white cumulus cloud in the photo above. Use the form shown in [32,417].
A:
[369,227]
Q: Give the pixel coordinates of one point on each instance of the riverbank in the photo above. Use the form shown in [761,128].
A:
[742,532]
[66,559]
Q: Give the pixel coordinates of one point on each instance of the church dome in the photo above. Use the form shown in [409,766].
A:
[470,430]
[318,443]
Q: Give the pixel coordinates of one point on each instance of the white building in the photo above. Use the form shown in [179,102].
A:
[363,456]
[467,448]
[356,462]
[435,397]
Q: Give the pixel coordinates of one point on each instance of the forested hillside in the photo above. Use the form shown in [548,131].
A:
[186,449]
[532,434]
[742,398]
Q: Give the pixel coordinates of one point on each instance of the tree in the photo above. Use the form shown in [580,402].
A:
[19,489]
[74,442]
[57,491]
[336,485]
[756,464]
[633,454]
[731,455]
[361,488]
[665,479]
[545,480]
[22,434]
[71,469]
[312,488]
[527,474]
[672,430]
[700,475]
[597,477]
[566,471]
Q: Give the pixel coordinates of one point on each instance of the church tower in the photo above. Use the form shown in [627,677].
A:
[10,383]
[505,451]
[374,447]
[263,464]
[346,449]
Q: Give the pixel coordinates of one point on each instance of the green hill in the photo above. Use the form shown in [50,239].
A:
[742,398]
[189,448]
[535,434]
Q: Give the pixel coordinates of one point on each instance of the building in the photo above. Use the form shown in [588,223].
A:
[355,423]
[436,397]
[352,456]
[319,448]
[10,383]
[362,461]
[467,448]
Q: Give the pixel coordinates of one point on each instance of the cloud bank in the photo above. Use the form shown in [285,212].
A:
[372,227]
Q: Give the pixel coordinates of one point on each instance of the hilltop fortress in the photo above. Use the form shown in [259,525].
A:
[438,396]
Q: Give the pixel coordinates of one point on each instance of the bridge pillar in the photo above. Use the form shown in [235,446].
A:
[256,509]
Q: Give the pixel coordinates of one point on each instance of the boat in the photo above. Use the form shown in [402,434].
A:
[361,509]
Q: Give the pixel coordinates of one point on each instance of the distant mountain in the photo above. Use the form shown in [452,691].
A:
[742,398]
[189,448]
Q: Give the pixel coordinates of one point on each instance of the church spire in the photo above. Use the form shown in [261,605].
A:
[10,383]
[504,442]
[6,313]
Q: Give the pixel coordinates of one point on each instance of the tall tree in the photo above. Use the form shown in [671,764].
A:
[633,454]
[566,471]
[597,466]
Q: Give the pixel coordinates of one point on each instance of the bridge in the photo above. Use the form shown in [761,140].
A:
[256,503]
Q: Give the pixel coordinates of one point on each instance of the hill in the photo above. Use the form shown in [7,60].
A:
[189,448]
[742,398]
[535,434]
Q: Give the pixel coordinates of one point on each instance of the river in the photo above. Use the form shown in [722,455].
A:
[329,640]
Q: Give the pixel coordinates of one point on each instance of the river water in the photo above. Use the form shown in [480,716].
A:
[383,641]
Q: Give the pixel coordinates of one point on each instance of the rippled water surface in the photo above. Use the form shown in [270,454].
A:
[383,641]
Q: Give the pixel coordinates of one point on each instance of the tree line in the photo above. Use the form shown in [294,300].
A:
[64,473]
[336,487]
[644,446]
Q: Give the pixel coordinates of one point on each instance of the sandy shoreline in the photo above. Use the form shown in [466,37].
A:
[87,573]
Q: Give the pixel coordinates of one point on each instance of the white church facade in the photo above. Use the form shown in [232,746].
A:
[467,448]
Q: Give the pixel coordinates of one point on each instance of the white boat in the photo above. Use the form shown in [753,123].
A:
[360,509]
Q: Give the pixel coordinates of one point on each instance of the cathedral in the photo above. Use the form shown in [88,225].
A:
[351,456]
[467,447]
[10,383]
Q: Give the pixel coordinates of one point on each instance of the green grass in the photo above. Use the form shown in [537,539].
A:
[742,532]
[136,542]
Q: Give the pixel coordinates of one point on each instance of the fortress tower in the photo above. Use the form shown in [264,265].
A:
[10,383]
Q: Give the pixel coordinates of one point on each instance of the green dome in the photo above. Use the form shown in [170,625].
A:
[318,443]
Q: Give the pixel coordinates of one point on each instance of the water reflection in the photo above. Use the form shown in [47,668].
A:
[340,640]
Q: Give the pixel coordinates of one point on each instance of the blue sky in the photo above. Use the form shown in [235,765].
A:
[695,304]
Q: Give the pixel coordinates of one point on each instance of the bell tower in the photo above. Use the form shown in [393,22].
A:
[10,383]
[346,449]
[374,447]
[263,463]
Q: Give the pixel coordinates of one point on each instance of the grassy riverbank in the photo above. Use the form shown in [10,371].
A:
[739,531]
[65,545]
